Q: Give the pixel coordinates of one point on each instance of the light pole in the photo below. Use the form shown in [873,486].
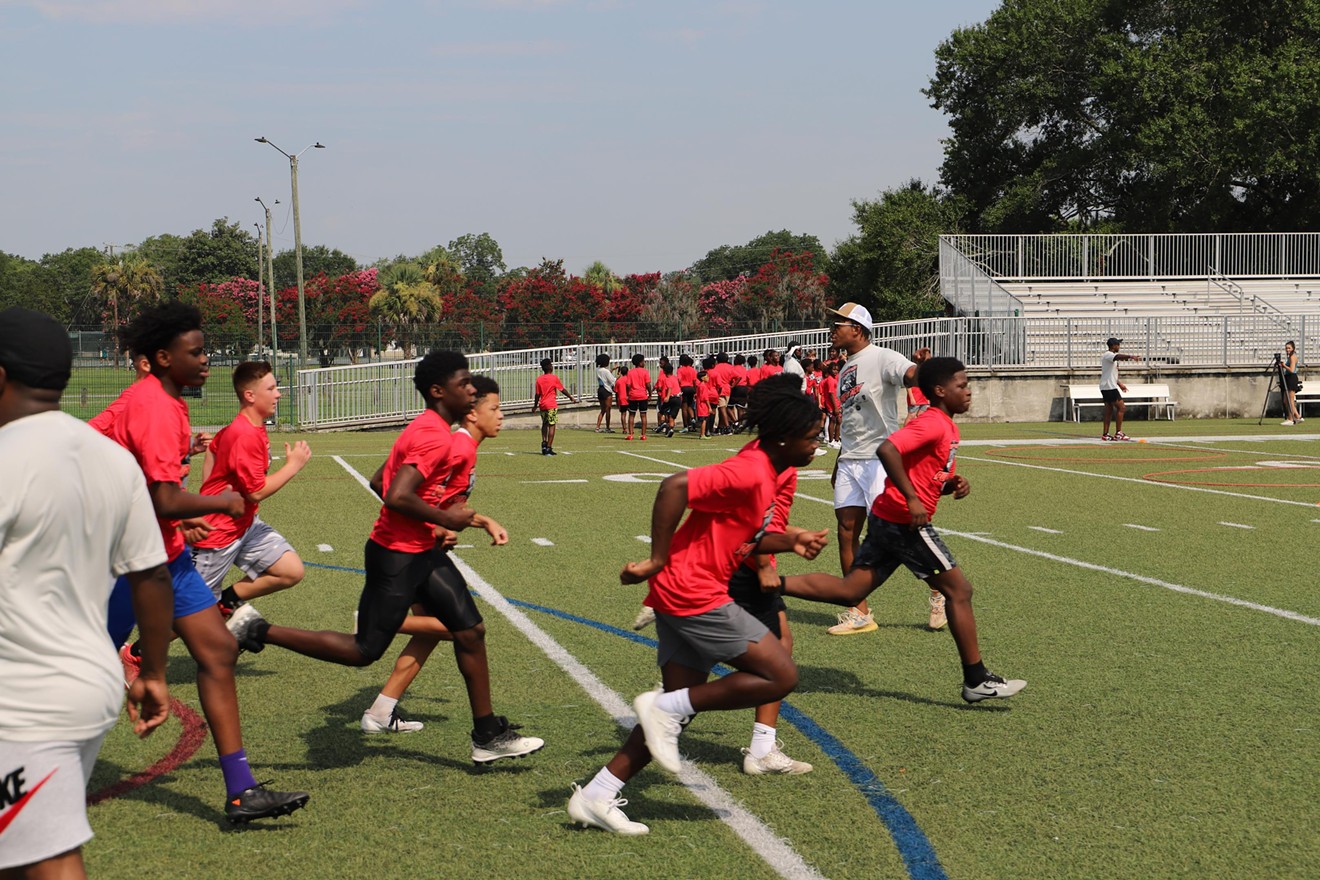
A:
[270,286]
[261,283]
[297,244]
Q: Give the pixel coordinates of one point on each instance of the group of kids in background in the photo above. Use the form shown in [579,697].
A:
[713,583]
[709,397]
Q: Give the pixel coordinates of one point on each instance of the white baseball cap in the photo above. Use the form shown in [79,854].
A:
[854,312]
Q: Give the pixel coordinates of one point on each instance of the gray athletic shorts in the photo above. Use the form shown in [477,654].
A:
[888,545]
[259,548]
[701,641]
[54,777]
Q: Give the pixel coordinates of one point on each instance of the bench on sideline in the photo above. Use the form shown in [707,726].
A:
[1155,397]
[1309,394]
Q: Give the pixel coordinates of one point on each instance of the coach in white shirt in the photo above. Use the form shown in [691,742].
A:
[873,400]
[74,514]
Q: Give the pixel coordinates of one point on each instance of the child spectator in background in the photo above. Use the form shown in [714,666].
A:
[639,395]
[621,394]
[829,395]
[708,396]
[669,392]
[545,391]
[604,393]
[687,383]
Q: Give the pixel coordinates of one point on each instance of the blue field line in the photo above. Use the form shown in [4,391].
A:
[912,844]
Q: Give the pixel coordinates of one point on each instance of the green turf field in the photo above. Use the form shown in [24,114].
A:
[1167,634]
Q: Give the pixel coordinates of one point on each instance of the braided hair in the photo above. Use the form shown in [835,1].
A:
[778,410]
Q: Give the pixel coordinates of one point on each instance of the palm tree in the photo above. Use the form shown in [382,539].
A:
[131,280]
[405,301]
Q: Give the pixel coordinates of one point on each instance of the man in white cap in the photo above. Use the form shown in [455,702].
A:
[871,385]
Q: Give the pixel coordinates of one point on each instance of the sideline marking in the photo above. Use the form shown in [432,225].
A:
[1236,525]
[543,542]
[1141,528]
[1038,467]
[539,482]
[1140,578]
[781,857]
[194,734]
[1045,530]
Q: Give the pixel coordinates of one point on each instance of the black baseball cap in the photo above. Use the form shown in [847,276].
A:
[34,349]
[1112,341]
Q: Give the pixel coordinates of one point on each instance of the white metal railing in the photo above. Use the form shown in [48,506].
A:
[967,286]
[1151,257]
[383,393]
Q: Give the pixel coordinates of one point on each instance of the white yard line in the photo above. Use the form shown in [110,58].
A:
[1045,530]
[543,542]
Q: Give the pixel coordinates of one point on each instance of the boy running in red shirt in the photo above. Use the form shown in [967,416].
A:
[152,423]
[919,460]
[237,459]
[479,425]
[698,624]
[545,393]
[406,564]
[639,394]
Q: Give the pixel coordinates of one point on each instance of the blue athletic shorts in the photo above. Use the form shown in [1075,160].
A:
[191,594]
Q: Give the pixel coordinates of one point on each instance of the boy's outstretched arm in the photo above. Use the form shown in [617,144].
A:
[295,459]
[670,503]
[794,539]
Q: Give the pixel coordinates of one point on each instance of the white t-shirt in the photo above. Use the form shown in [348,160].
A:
[1108,371]
[74,514]
[870,387]
[604,380]
[794,366]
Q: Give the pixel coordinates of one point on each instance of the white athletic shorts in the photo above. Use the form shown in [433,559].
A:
[259,548]
[43,798]
[858,483]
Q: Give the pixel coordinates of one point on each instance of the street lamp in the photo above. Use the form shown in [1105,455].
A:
[261,283]
[270,286]
[297,243]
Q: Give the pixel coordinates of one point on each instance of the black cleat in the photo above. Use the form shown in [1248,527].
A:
[258,803]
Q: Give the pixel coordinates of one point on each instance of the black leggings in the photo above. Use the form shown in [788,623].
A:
[395,581]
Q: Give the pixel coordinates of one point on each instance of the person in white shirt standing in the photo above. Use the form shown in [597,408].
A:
[74,514]
[1111,389]
[872,384]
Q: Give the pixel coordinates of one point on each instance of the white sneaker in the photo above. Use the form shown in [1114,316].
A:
[395,724]
[851,623]
[1286,422]
[602,814]
[645,618]
[992,687]
[508,743]
[775,763]
[937,616]
[660,728]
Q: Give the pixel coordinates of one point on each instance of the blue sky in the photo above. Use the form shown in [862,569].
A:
[642,134]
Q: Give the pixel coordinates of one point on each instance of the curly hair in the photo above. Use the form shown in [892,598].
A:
[778,410]
[437,368]
[483,385]
[157,326]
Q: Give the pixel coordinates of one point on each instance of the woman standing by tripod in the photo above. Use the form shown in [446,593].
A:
[1291,383]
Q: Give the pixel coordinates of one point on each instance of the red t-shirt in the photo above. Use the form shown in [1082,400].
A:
[152,425]
[461,478]
[753,376]
[723,374]
[829,388]
[916,398]
[687,377]
[733,503]
[813,384]
[242,455]
[425,444]
[621,389]
[667,385]
[771,370]
[548,387]
[638,378]
[929,445]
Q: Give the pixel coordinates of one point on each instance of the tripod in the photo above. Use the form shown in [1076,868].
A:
[1275,372]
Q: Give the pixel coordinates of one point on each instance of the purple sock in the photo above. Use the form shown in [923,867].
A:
[238,775]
